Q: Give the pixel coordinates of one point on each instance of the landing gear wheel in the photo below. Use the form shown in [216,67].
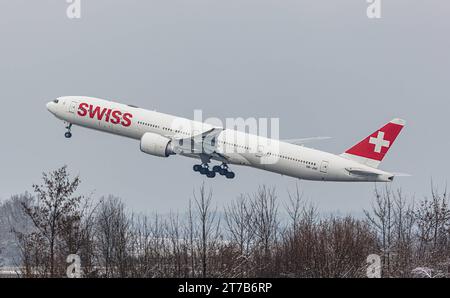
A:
[230,175]
[211,174]
[222,169]
[68,134]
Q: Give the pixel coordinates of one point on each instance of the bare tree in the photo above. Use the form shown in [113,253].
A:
[239,219]
[191,234]
[112,231]
[177,246]
[13,221]
[265,219]
[413,239]
[298,237]
[54,211]
[209,225]
[404,222]
[294,208]
[433,221]
[383,222]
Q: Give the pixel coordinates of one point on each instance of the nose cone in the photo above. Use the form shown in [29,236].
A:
[51,107]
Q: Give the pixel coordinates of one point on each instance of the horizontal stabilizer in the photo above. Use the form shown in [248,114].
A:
[305,140]
[361,172]
[401,174]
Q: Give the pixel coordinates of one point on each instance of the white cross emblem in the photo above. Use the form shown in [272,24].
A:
[379,142]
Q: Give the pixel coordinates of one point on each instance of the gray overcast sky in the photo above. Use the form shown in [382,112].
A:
[321,66]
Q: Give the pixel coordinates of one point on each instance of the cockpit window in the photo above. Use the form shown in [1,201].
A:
[56,101]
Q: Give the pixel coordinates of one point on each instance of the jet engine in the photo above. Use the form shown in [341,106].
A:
[157,145]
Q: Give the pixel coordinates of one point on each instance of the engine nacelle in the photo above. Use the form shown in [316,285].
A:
[154,144]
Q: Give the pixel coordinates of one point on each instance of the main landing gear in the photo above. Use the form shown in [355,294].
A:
[222,170]
[68,133]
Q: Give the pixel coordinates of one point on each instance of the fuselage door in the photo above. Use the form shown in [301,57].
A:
[73,106]
[260,151]
[261,155]
[324,167]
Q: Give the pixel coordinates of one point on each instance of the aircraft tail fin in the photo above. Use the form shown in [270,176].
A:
[371,150]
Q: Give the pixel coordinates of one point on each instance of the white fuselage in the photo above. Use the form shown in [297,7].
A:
[241,149]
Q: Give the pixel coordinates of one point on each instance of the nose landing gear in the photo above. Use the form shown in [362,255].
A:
[68,133]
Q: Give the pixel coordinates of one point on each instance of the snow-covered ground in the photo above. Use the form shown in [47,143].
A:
[9,272]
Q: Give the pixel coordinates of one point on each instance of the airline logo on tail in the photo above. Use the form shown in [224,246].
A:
[373,149]
[379,142]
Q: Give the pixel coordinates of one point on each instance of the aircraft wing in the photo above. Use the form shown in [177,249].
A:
[305,140]
[204,145]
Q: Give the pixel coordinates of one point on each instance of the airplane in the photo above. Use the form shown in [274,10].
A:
[164,135]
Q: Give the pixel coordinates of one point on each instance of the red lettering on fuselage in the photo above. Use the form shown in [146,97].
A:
[82,109]
[96,111]
[105,114]
[116,117]
[108,113]
[127,119]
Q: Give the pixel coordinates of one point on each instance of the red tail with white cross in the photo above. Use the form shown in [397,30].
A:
[372,149]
